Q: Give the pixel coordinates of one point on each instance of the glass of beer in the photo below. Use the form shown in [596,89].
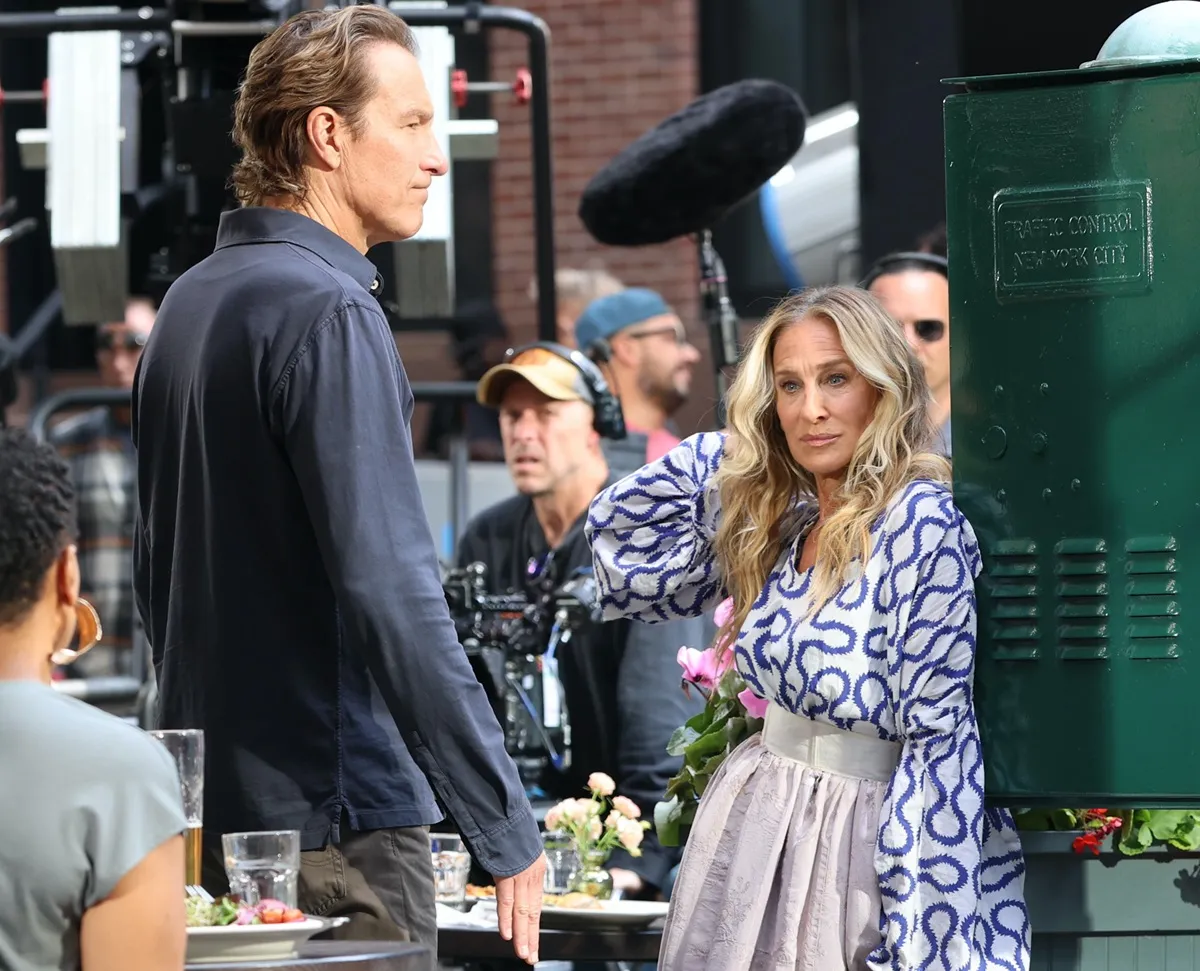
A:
[187,749]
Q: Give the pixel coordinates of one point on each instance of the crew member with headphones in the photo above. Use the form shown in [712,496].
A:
[915,289]
[643,348]
[620,679]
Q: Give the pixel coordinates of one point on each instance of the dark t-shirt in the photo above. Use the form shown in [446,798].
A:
[621,679]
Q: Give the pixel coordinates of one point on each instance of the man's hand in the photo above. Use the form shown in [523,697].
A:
[626,881]
[519,908]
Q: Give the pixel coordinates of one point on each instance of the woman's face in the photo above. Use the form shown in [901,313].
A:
[823,403]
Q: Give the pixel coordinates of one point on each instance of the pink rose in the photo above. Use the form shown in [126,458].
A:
[755,706]
[595,829]
[601,784]
[629,833]
[613,819]
[703,667]
[626,807]
[576,810]
[554,818]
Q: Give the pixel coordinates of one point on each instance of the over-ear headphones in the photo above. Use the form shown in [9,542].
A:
[607,418]
[600,350]
[899,262]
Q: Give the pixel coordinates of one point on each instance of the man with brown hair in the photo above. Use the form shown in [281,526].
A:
[284,566]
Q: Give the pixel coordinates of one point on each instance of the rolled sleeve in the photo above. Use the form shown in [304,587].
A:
[341,408]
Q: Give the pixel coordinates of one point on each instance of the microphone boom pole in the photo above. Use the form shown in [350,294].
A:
[720,316]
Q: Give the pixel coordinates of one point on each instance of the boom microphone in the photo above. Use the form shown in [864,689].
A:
[682,176]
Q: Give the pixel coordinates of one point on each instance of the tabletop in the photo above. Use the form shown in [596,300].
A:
[352,955]
[481,943]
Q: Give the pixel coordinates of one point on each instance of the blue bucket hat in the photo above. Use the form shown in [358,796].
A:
[609,315]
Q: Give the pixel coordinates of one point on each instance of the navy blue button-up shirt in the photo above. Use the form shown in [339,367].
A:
[284,568]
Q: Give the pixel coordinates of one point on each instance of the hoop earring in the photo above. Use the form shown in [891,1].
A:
[87,630]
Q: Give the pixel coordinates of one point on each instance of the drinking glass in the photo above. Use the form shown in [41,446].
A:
[187,749]
[562,863]
[451,864]
[263,866]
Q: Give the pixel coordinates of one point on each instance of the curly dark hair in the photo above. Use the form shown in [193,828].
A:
[37,519]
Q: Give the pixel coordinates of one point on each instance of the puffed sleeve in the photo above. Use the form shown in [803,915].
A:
[950,869]
[651,535]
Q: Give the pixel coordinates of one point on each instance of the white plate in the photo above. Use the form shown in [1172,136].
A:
[253,942]
[614,914]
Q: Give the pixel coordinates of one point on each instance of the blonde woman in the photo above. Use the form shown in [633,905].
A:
[850,833]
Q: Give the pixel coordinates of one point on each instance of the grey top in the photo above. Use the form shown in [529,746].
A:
[84,797]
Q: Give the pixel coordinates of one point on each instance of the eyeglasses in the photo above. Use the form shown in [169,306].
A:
[681,338]
[930,331]
[107,340]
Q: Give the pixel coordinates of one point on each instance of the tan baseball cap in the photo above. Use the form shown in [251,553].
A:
[552,375]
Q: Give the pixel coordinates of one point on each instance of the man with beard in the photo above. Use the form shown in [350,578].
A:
[643,346]
[915,289]
[620,680]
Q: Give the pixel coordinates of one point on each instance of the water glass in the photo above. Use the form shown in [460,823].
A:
[263,866]
[187,749]
[562,863]
[451,864]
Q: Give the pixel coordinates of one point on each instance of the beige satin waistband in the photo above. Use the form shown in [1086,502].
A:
[827,747]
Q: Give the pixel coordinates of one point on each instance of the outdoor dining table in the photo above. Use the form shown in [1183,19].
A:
[486,944]
[336,956]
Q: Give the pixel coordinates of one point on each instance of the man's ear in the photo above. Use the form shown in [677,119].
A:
[621,350]
[327,133]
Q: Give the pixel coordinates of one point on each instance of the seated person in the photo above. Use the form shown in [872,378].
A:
[91,847]
[621,680]
[99,448]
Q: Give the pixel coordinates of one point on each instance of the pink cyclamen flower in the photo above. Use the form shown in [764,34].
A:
[601,784]
[755,706]
[626,807]
[723,612]
[702,667]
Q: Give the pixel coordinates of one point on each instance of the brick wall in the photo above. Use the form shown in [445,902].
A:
[618,67]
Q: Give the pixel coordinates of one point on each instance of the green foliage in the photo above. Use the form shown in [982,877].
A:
[704,743]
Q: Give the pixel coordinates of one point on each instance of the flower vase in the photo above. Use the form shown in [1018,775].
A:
[591,877]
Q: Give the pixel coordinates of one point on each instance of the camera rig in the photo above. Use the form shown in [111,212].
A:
[513,640]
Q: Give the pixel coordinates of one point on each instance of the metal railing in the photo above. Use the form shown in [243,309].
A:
[468,18]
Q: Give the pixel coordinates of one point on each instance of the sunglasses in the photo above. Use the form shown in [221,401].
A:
[126,341]
[930,331]
[87,634]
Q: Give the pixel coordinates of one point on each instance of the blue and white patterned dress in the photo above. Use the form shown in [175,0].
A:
[789,867]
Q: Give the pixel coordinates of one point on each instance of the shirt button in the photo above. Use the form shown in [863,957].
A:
[375,284]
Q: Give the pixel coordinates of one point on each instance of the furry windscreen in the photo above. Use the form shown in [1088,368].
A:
[685,174]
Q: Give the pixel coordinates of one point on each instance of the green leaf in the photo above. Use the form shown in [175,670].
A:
[681,738]
[711,766]
[731,685]
[1165,823]
[700,721]
[666,822]
[735,731]
[703,747]
[681,785]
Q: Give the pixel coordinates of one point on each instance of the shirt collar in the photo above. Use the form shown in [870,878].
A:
[264,224]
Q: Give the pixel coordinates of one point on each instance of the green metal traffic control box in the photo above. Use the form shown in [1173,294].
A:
[1073,215]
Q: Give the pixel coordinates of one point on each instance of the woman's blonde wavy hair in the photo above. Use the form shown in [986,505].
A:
[761,484]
